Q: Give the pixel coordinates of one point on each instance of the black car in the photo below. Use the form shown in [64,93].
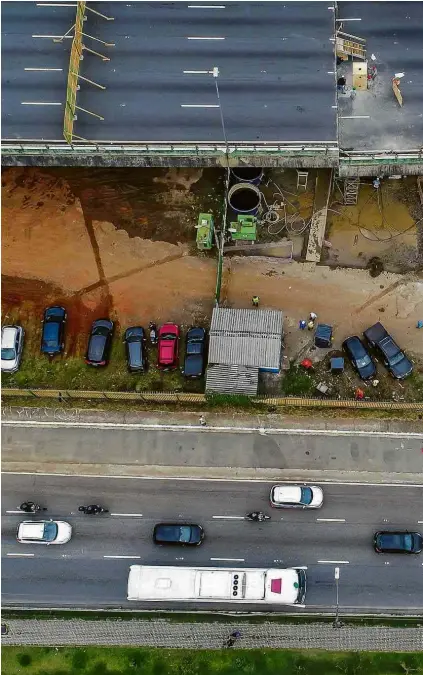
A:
[99,343]
[359,356]
[398,542]
[136,353]
[195,352]
[182,534]
[398,364]
[53,335]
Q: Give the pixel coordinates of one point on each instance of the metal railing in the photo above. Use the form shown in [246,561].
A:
[187,397]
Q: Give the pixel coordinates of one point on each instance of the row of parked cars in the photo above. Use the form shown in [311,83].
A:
[377,337]
[100,342]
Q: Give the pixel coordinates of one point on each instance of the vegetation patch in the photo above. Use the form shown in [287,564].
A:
[132,661]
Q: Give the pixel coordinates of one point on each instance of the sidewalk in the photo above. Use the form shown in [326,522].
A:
[167,635]
[273,447]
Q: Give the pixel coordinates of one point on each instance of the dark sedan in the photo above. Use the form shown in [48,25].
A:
[99,343]
[136,353]
[180,534]
[360,358]
[53,334]
[398,542]
[195,352]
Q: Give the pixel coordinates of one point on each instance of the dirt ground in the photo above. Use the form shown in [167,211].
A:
[107,242]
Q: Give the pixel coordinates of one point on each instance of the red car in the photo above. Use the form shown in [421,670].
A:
[168,346]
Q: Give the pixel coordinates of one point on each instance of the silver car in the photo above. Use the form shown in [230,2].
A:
[296,496]
[12,339]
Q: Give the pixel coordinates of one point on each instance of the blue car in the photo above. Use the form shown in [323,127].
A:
[53,336]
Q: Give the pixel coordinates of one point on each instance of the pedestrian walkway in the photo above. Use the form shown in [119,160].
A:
[169,634]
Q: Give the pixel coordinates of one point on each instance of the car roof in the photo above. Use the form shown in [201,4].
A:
[106,323]
[134,331]
[8,336]
[31,530]
[355,345]
[287,493]
[55,310]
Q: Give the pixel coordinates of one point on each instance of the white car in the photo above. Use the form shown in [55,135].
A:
[296,496]
[12,338]
[44,532]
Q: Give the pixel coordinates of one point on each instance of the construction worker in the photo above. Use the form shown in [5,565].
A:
[255,300]
[310,324]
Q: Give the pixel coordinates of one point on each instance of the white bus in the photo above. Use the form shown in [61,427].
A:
[217,584]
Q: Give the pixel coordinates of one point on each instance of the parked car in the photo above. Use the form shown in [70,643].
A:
[53,335]
[296,496]
[182,534]
[12,339]
[195,353]
[44,532]
[99,343]
[398,542]
[360,358]
[136,353]
[168,346]
[398,364]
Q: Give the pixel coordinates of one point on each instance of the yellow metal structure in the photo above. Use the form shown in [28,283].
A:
[74,61]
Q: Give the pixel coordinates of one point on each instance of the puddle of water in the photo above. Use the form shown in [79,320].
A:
[379,225]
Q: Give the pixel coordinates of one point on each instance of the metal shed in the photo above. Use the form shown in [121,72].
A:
[246,337]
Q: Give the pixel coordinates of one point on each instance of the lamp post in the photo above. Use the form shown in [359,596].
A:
[215,73]
[337,623]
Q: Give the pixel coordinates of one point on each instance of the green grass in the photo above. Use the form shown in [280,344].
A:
[297,382]
[132,661]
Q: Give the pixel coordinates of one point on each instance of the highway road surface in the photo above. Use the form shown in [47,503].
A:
[91,570]
[275,60]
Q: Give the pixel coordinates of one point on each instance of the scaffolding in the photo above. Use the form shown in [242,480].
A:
[351,188]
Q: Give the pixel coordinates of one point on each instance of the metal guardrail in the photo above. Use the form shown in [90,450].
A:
[186,397]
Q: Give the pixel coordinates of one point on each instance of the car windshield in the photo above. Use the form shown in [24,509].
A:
[50,531]
[397,359]
[306,495]
[185,534]
[364,361]
[100,330]
[7,354]
[168,336]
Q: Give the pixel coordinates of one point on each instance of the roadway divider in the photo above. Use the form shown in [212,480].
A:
[186,397]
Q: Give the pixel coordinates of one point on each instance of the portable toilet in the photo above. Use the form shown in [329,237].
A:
[205,230]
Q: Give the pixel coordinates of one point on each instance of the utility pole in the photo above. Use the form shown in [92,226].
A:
[215,73]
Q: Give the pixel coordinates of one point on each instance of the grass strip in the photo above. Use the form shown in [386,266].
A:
[134,661]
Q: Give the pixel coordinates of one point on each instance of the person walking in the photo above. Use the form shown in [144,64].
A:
[233,638]
[255,300]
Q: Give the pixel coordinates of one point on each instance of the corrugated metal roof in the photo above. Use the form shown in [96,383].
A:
[232,380]
[261,321]
[246,337]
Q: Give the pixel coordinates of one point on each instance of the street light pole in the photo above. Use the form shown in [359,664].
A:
[215,73]
[337,623]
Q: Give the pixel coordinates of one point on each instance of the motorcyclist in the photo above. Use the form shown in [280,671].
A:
[91,510]
[257,516]
[28,507]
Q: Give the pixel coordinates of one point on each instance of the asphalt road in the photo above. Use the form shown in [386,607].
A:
[91,570]
[275,60]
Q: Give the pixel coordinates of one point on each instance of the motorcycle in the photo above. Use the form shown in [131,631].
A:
[92,509]
[31,507]
[257,516]
[153,333]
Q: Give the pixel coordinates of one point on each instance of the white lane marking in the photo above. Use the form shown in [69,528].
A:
[38,103]
[330,520]
[347,20]
[211,429]
[229,517]
[54,37]
[22,555]
[420,522]
[354,117]
[334,562]
[123,557]
[128,515]
[197,105]
[229,559]
[205,38]
[19,512]
[196,72]
[47,70]
[211,480]
[55,4]
[206,6]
